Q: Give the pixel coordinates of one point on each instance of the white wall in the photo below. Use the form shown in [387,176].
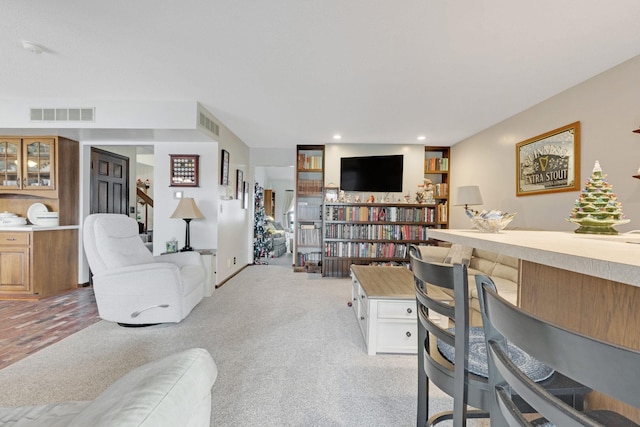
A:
[413,164]
[234,222]
[608,107]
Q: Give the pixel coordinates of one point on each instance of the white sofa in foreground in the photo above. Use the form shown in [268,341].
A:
[172,391]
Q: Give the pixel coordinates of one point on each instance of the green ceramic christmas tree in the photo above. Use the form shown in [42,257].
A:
[597,210]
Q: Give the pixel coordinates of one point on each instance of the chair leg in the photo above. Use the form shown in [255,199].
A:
[423,381]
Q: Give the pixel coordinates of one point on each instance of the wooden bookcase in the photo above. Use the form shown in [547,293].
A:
[307,251]
[437,168]
[270,203]
[372,233]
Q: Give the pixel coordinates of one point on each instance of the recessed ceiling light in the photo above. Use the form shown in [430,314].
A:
[422,138]
[32,47]
[337,136]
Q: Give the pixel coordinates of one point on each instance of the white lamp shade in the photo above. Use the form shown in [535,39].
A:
[187,209]
[468,195]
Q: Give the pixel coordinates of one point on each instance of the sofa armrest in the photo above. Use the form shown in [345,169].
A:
[149,279]
[172,391]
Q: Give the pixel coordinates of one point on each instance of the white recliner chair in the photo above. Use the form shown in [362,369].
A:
[132,287]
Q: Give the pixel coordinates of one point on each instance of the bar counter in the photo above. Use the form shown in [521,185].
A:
[607,257]
[583,282]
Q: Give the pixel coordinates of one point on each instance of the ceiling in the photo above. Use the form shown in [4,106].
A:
[286,72]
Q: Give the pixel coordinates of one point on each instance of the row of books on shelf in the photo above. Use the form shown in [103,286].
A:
[380,213]
[309,161]
[366,250]
[309,236]
[443,212]
[441,189]
[310,187]
[308,212]
[304,257]
[376,231]
[437,164]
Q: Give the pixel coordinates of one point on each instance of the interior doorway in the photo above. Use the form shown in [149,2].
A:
[109,182]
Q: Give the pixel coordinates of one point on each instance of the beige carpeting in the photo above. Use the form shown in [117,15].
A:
[287,346]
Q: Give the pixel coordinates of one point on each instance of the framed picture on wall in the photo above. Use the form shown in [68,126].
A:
[224,168]
[239,189]
[184,170]
[550,162]
[245,197]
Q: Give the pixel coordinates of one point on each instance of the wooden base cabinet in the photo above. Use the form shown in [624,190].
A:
[14,263]
[37,264]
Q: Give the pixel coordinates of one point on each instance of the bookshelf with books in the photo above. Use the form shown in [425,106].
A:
[436,168]
[308,208]
[372,233]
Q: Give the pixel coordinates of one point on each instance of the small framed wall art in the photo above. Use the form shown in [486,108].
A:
[184,170]
[550,162]
[224,168]
[239,189]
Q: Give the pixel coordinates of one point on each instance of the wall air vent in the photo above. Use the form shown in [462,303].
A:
[209,124]
[82,114]
[206,121]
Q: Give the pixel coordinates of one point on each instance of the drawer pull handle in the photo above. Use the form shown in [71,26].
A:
[11,239]
[361,317]
[362,296]
[409,310]
[408,334]
[350,304]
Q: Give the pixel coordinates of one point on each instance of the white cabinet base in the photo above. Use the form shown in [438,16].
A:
[387,320]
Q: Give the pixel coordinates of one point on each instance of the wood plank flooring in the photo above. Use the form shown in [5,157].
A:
[27,326]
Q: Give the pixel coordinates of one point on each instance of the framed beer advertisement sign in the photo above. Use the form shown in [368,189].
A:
[549,162]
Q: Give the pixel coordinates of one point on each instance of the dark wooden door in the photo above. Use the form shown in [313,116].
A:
[109,182]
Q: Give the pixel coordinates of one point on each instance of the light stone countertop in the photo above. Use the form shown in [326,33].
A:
[614,257]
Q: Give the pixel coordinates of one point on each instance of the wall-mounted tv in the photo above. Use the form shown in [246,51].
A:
[372,173]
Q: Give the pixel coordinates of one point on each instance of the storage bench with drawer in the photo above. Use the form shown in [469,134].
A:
[383,299]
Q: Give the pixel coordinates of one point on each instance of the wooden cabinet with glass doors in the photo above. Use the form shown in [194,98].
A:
[42,169]
[27,163]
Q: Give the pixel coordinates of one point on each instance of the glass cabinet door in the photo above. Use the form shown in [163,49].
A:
[38,163]
[10,176]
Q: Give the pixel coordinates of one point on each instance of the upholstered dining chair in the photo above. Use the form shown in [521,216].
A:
[605,367]
[454,358]
[132,287]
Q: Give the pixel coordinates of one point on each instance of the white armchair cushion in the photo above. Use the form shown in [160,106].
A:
[120,245]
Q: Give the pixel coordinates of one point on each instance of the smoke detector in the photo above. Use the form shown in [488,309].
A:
[32,47]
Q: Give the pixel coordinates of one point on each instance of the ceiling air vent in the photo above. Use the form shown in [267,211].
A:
[83,114]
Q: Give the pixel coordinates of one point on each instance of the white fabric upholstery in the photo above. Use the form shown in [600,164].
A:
[127,278]
[172,391]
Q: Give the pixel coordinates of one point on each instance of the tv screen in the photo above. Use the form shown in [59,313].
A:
[373,173]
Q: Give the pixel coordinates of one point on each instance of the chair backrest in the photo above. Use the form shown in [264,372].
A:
[429,279]
[605,367]
[112,241]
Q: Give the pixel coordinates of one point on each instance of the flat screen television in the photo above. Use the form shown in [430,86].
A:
[381,174]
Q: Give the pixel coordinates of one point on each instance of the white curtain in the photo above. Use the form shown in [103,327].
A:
[287,205]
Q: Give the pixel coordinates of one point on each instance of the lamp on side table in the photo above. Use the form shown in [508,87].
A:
[187,210]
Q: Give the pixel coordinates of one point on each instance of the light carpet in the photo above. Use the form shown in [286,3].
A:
[288,350]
